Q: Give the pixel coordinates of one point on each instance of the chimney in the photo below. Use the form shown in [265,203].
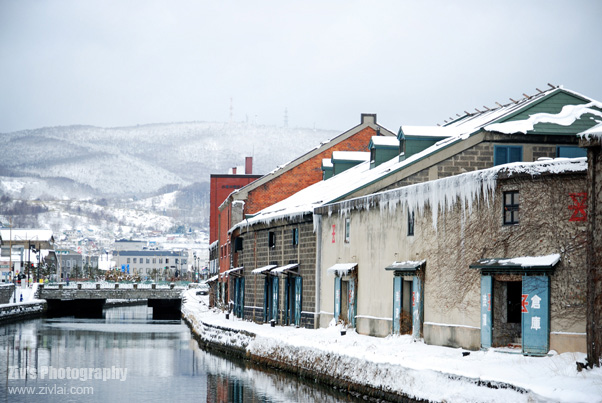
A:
[249,165]
[233,170]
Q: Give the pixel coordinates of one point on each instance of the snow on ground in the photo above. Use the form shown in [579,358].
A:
[397,363]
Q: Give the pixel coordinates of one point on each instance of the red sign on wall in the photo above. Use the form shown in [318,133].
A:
[579,207]
[333,232]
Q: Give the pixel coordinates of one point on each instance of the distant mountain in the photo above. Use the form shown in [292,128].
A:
[85,177]
[86,161]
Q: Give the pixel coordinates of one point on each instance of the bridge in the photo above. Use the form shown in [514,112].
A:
[89,299]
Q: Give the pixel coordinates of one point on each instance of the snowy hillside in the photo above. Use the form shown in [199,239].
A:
[125,181]
[141,160]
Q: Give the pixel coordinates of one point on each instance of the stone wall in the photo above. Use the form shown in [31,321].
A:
[257,253]
[6,291]
[462,237]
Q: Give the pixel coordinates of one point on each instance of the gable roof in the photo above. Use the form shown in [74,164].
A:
[348,183]
[368,120]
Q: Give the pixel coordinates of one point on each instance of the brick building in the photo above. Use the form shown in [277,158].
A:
[280,184]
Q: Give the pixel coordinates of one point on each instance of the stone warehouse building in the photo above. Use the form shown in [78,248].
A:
[525,130]
[451,268]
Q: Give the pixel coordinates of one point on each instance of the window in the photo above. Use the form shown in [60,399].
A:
[128,260]
[570,152]
[154,260]
[134,260]
[147,260]
[160,260]
[511,208]
[507,154]
[295,236]
[166,261]
[347,225]
[410,223]
[271,239]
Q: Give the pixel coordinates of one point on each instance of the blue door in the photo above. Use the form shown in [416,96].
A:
[241,297]
[417,310]
[535,317]
[298,293]
[267,286]
[275,298]
[287,300]
[397,298]
[486,313]
[337,298]
[351,303]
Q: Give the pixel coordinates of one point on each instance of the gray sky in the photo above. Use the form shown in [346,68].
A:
[120,63]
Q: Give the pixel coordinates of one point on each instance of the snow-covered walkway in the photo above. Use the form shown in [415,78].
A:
[396,363]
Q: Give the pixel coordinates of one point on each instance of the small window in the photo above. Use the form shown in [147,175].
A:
[410,223]
[134,260]
[347,230]
[128,260]
[154,260]
[161,260]
[166,261]
[272,239]
[147,260]
[511,202]
[507,154]
[295,236]
[570,152]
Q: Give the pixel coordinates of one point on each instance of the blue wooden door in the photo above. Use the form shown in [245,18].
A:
[417,310]
[275,298]
[298,293]
[241,297]
[351,303]
[337,298]
[266,298]
[397,298]
[287,301]
[486,313]
[536,315]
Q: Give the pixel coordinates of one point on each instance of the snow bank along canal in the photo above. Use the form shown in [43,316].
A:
[128,356]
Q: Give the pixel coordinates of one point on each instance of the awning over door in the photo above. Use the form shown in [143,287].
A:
[341,269]
[232,271]
[264,269]
[523,264]
[409,267]
[287,269]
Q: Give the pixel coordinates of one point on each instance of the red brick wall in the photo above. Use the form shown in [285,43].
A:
[220,188]
[303,175]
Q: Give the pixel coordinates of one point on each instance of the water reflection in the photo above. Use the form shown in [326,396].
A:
[128,355]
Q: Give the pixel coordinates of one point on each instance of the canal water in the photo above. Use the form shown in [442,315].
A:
[128,356]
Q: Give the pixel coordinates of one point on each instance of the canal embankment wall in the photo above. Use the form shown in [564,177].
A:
[369,378]
[24,310]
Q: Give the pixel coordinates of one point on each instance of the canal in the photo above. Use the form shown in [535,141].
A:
[128,356]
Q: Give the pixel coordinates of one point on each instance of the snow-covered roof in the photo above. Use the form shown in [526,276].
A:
[594,132]
[341,269]
[406,265]
[285,268]
[523,262]
[327,163]
[367,121]
[351,155]
[231,271]
[210,279]
[350,181]
[385,141]
[19,235]
[566,117]
[263,269]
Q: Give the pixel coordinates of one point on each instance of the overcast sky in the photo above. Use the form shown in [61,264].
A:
[121,63]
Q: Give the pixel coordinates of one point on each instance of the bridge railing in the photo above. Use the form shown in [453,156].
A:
[109,286]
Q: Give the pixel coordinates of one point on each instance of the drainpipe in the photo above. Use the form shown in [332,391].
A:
[318,226]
